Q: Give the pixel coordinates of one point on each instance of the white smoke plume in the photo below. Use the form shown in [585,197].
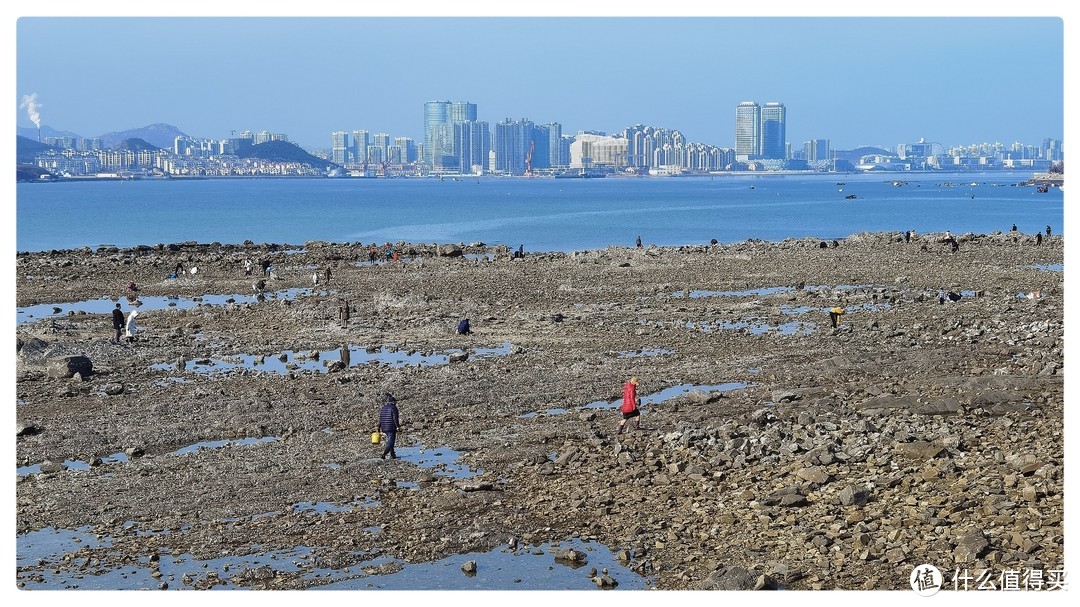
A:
[32,106]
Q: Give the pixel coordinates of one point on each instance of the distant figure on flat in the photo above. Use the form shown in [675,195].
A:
[389,424]
[343,313]
[117,322]
[639,242]
[463,327]
[1048,231]
[131,328]
[630,405]
[834,316]
[1013,228]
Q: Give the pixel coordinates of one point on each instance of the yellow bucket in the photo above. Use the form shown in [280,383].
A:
[375,437]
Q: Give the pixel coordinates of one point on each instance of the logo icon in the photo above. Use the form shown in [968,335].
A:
[926,580]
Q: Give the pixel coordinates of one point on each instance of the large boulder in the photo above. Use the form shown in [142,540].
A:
[68,366]
[450,250]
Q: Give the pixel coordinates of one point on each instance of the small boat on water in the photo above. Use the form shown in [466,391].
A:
[850,197]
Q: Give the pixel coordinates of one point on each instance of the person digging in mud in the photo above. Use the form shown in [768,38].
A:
[630,405]
[389,424]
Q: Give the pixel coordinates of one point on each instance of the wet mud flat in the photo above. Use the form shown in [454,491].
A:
[810,457]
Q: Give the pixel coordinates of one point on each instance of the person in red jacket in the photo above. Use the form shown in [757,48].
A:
[630,405]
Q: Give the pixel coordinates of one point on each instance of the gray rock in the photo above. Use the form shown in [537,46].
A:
[850,496]
[570,556]
[784,396]
[114,389]
[793,501]
[814,474]
[730,578]
[970,547]
[68,366]
[918,450]
[469,567]
[26,429]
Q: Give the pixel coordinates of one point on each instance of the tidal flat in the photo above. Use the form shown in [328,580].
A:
[813,457]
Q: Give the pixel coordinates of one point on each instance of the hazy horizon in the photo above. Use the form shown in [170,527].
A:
[853,80]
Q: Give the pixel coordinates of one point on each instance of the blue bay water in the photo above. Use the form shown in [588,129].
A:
[541,214]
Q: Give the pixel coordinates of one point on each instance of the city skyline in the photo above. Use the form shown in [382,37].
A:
[263,73]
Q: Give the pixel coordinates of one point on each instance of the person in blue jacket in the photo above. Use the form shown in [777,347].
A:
[389,424]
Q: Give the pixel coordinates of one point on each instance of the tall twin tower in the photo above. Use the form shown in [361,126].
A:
[760,131]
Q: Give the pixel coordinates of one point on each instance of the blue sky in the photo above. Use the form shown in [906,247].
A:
[853,80]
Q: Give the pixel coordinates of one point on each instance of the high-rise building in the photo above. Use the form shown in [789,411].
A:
[817,150]
[473,142]
[382,142]
[361,139]
[511,145]
[436,113]
[747,130]
[555,159]
[408,149]
[461,111]
[339,147]
[773,131]
[439,141]
[1051,149]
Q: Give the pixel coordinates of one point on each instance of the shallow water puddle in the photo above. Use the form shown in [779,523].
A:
[117,458]
[443,461]
[654,398]
[217,444]
[319,361]
[74,464]
[753,327]
[1049,267]
[151,303]
[747,293]
[526,568]
[41,556]
[44,559]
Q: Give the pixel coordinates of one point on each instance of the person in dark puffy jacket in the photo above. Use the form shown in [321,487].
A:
[389,424]
[117,322]
[463,327]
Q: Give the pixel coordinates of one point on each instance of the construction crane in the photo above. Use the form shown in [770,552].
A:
[528,159]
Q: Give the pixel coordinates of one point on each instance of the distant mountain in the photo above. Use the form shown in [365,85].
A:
[31,132]
[28,172]
[26,149]
[283,151]
[135,145]
[159,135]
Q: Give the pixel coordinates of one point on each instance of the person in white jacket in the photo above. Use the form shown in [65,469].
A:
[131,328]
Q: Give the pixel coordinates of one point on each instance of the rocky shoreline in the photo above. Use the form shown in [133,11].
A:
[915,432]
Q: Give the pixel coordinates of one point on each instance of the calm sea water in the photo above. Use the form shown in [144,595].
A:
[541,214]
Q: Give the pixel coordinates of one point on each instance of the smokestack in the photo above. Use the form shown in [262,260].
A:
[31,104]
